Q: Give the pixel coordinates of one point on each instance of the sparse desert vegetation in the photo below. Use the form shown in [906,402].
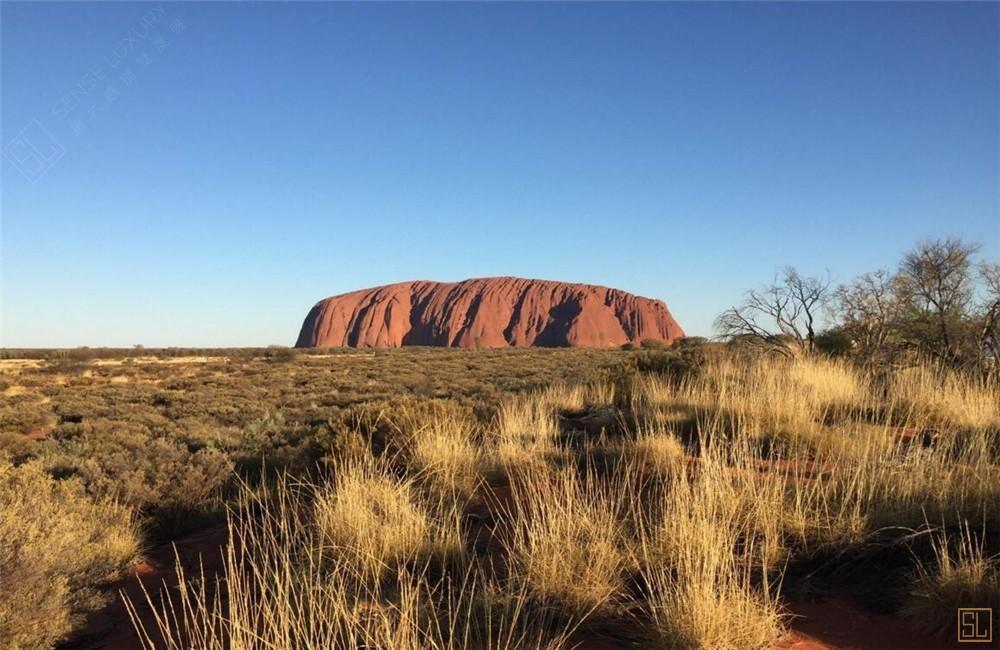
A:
[500,499]
[594,325]
[683,496]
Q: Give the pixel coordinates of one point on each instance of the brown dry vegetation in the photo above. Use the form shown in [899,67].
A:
[507,499]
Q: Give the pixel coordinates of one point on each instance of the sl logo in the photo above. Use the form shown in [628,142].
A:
[975,625]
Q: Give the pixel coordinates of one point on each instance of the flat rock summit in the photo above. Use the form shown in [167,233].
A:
[487,312]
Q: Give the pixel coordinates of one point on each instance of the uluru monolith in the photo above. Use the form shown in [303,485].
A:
[487,312]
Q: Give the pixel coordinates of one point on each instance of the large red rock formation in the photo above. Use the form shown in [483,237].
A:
[487,312]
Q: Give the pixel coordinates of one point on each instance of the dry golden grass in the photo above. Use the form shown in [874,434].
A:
[15,390]
[699,588]
[707,490]
[442,448]
[711,605]
[527,428]
[158,360]
[277,595]
[933,397]
[7,365]
[566,545]
[961,575]
[375,523]
[777,397]
[659,450]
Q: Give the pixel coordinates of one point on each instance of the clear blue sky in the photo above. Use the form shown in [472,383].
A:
[225,166]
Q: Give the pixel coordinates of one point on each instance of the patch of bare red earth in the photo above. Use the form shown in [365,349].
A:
[42,433]
[111,628]
[834,623]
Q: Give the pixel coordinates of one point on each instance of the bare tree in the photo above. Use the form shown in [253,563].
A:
[989,273]
[938,278]
[869,308]
[989,337]
[787,309]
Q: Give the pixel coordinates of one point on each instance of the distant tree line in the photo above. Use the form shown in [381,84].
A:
[942,300]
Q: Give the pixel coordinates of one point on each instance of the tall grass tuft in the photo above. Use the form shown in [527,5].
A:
[565,544]
[277,593]
[961,575]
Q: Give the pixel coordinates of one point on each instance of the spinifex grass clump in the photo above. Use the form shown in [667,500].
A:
[527,429]
[932,396]
[277,593]
[777,398]
[658,450]
[439,443]
[710,553]
[565,542]
[376,522]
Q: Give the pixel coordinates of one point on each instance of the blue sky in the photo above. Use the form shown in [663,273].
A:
[207,172]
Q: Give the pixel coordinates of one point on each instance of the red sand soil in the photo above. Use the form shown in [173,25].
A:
[835,623]
[40,433]
[488,313]
[112,629]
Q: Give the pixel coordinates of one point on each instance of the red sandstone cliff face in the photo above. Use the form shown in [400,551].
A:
[487,312]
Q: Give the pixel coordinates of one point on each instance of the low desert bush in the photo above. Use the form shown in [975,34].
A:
[57,549]
[158,476]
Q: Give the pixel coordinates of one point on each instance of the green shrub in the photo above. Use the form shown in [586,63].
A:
[160,476]
[57,548]
[834,341]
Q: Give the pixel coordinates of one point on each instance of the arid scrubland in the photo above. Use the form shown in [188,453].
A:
[513,499]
